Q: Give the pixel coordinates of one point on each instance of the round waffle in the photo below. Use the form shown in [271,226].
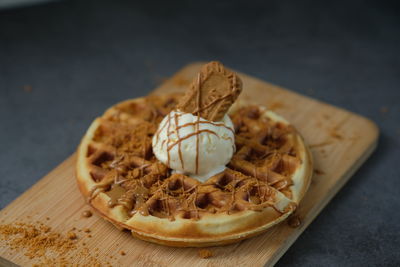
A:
[124,182]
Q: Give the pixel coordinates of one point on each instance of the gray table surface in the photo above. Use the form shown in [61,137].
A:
[62,64]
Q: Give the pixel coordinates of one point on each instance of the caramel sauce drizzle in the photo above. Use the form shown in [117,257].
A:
[114,194]
[197,122]
[144,151]
[97,189]
[196,133]
[168,138]
[179,138]
[206,122]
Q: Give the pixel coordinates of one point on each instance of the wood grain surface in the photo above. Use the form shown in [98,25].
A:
[340,142]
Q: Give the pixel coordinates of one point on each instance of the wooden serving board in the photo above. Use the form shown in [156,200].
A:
[340,142]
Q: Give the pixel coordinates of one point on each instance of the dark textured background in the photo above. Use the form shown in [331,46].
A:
[62,64]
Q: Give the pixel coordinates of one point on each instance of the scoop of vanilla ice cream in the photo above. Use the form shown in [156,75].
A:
[191,145]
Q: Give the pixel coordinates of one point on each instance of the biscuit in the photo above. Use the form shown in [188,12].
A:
[212,92]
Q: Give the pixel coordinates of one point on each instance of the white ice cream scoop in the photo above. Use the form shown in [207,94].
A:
[194,146]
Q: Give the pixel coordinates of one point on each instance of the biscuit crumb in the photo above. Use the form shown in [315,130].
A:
[122,253]
[86,230]
[87,213]
[71,235]
[205,253]
[294,221]
[45,228]
[41,244]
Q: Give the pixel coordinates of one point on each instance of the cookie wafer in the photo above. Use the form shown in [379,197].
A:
[212,92]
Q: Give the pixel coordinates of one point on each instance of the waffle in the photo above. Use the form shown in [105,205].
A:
[124,182]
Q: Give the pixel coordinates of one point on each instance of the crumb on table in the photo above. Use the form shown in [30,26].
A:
[87,213]
[205,253]
[71,235]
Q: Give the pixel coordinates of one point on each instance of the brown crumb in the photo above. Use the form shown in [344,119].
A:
[47,218]
[87,213]
[205,253]
[45,228]
[122,253]
[27,88]
[89,235]
[73,228]
[294,221]
[86,230]
[318,172]
[71,235]
[48,248]
[384,110]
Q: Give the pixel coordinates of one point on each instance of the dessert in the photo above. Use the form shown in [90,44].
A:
[179,170]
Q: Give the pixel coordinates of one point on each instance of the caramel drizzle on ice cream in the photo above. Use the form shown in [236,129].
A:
[197,132]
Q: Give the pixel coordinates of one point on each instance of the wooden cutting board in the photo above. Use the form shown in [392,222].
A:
[340,142]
